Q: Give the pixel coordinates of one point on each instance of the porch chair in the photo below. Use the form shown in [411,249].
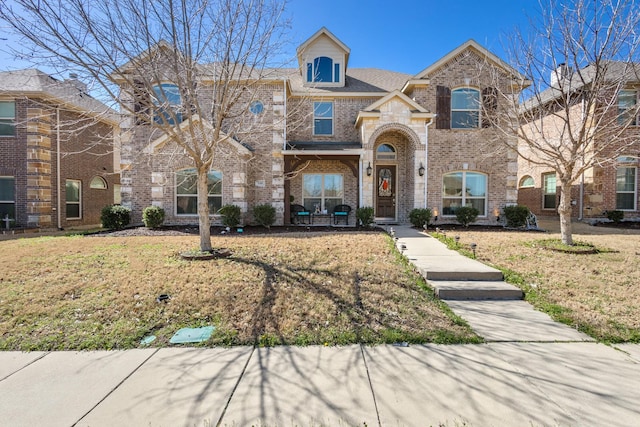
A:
[298,214]
[341,212]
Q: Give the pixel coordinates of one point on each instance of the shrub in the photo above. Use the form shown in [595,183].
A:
[516,215]
[153,216]
[265,215]
[364,216]
[115,217]
[466,215]
[615,216]
[420,217]
[230,215]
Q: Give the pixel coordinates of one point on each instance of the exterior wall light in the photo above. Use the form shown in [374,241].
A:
[369,169]
[421,170]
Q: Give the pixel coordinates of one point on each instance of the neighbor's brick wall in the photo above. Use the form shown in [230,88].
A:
[13,161]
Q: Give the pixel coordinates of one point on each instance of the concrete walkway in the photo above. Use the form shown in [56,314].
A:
[532,372]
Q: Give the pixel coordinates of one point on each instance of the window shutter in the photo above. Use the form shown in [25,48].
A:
[443,107]
[489,105]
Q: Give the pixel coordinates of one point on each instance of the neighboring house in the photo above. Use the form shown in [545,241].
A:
[56,152]
[612,183]
[357,136]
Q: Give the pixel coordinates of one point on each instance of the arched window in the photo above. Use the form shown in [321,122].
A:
[527,182]
[465,108]
[386,152]
[98,183]
[187,192]
[464,189]
[168,102]
[323,70]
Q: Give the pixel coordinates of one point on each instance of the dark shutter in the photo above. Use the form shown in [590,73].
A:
[489,105]
[443,107]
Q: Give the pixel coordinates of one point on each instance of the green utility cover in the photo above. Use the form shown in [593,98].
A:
[186,335]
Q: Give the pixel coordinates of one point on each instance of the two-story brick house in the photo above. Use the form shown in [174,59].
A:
[56,152]
[354,136]
[611,151]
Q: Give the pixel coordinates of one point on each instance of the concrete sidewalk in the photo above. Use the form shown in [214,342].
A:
[532,372]
[498,384]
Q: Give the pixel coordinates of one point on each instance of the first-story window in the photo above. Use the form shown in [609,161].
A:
[549,191]
[7,197]
[626,188]
[187,191]
[73,199]
[464,189]
[322,191]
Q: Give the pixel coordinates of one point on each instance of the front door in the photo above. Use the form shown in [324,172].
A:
[386,192]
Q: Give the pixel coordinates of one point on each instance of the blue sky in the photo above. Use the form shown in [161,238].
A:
[398,35]
[409,35]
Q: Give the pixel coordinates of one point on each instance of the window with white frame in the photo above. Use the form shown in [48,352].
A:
[549,191]
[627,111]
[168,104]
[527,182]
[464,189]
[187,191]
[322,191]
[73,199]
[323,70]
[323,118]
[626,188]
[98,183]
[465,108]
[7,197]
[7,118]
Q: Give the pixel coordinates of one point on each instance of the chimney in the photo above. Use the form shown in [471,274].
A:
[560,74]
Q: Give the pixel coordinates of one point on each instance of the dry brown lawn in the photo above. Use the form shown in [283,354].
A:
[597,293]
[309,288]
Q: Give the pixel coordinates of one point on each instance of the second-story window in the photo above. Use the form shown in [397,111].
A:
[168,104]
[323,118]
[7,118]
[465,108]
[323,70]
[627,111]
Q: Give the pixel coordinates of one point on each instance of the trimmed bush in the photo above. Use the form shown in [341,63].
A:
[364,216]
[615,216]
[230,215]
[420,217]
[516,215]
[115,217]
[265,215]
[466,215]
[153,216]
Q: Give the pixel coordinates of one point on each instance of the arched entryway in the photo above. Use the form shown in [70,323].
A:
[394,173]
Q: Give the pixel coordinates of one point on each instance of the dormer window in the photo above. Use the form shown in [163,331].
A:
[323,70]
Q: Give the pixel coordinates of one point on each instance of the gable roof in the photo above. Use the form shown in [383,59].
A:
[411,104]
[323,32]
[33,83]
[474,46]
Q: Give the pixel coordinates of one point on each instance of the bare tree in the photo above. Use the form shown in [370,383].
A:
[212,51]
[579,55]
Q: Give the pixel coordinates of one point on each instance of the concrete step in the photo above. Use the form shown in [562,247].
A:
[458,269]
[475,290]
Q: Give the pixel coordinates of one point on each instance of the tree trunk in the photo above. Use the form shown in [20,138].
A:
[203,211]
[564,210]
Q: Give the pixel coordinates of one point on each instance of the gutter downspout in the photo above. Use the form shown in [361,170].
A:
[426,158]
[284,114]
[58,174]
